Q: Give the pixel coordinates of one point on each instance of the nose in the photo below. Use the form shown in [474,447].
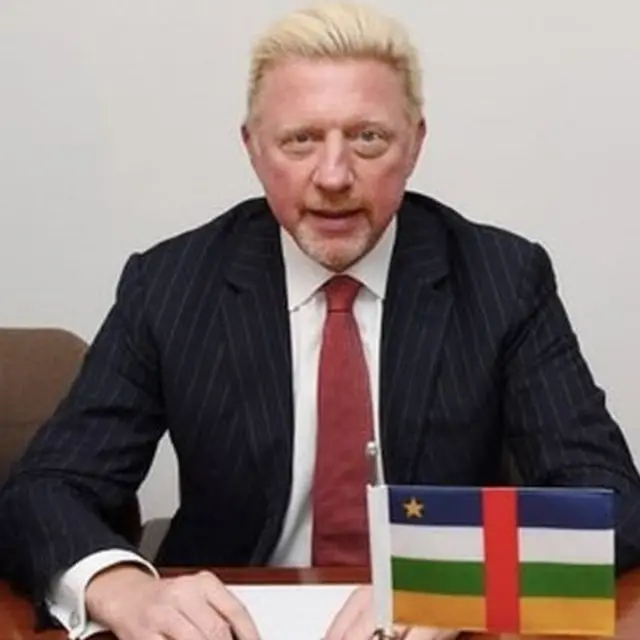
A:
[333,171]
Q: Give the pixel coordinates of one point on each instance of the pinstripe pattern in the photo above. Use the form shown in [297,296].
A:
[476,353]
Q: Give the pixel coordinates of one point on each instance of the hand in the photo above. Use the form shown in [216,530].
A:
[355,621]
[134,605]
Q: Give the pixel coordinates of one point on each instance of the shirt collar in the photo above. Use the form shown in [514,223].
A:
[304,276]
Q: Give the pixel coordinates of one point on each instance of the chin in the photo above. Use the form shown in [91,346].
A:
[336,255]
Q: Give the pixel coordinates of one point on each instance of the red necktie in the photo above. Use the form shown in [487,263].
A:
[345,426]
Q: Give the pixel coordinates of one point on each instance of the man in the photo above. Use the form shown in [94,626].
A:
[274,342]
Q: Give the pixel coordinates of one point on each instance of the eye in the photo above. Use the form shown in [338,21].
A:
[301,138]
[370,142]
[298,142]
[369,135]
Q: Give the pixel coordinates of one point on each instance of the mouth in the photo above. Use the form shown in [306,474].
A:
[336,222]
[334,214]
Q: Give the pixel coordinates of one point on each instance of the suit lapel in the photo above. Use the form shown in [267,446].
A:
[257,324]
[416,311]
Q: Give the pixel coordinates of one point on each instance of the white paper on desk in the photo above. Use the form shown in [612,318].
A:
[293,612]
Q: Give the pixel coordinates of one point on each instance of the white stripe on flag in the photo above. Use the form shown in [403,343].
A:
[570,546]
[378,511]
[437,543]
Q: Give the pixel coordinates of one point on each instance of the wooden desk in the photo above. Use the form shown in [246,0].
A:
[16,617]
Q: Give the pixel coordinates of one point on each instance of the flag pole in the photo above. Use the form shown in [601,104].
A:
[377,506]
[372,455]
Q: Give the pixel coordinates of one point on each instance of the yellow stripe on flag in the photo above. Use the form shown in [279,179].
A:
[584,616]
[434,610]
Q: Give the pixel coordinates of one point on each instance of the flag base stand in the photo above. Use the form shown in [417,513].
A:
[387,634]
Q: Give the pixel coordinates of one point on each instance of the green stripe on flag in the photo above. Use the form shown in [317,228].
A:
[566,580]
[436,576]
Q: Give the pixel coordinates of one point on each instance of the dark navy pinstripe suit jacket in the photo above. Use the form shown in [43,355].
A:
[476,354]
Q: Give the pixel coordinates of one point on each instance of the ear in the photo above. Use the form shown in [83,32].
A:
[248,139]
[245,134]
[420,137]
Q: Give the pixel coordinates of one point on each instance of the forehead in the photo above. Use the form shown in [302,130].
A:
[331,91]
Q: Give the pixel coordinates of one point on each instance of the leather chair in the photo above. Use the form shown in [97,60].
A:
[37,368]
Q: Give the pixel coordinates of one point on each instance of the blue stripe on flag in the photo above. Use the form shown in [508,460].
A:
[565,508]
[441,506]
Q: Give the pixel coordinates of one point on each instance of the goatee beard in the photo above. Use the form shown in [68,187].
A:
[336,254]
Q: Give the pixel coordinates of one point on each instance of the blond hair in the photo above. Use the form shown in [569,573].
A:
[334,31]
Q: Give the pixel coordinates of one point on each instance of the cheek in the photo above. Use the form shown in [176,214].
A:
[284,187]
[384,188]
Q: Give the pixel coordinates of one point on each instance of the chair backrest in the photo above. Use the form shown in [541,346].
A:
[37,368]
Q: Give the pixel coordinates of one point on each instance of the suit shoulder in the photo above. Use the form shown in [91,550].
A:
[195,256]
[475,241]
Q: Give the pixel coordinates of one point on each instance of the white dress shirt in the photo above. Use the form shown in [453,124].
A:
[306,305]
[307,310]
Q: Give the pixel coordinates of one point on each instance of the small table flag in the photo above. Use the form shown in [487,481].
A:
[495,559]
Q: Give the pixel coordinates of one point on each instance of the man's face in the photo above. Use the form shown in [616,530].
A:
[333,147]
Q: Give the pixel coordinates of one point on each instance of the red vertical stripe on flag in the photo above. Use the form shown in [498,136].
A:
[502,573]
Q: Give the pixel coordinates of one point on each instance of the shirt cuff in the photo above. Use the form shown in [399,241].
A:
[66,601]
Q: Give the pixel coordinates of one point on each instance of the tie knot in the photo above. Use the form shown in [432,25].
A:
[341,291]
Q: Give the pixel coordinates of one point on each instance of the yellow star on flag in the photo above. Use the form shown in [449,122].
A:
[413,508]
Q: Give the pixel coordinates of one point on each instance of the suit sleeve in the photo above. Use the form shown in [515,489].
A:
[558,427]
[87,462]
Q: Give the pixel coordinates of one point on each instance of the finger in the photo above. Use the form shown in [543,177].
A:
[409,633]
[429,633]
[362,626]
[229,607]
[357,601]
[204,616]
[174,625]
